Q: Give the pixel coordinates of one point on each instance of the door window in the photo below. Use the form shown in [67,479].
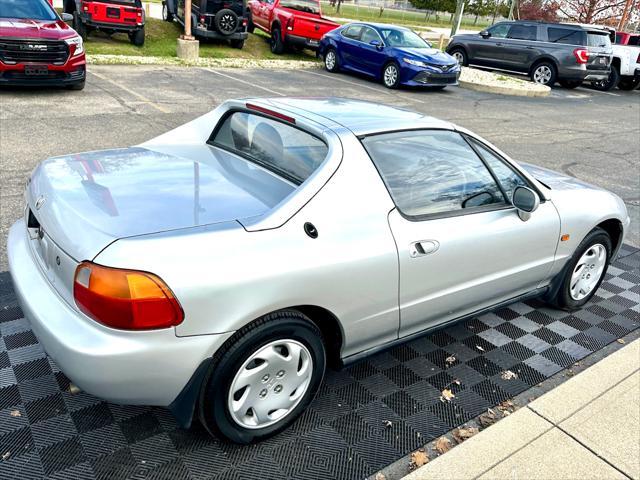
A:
[369,34]
[507,177]
[500,30]
[523,32]
[353,32]
[433,172]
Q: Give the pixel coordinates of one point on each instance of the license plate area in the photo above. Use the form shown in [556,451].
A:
[603,61]
[36,70]
[313,43]
[113,12]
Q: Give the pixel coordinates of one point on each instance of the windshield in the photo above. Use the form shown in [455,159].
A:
[595,39]
[28,9]
[394,37]
[309,6]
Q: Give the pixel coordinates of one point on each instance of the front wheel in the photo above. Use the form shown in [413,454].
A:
[277,45]
[137,37]
[391,75]
[544,74]
[628,83]
[460,55]
[263,378]
[331,61]
[585,271]
[167,16]
[610,83]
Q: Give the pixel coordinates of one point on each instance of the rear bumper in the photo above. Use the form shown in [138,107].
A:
[584,74]
[147,368]
[116,26]
[214,35]
[302,42]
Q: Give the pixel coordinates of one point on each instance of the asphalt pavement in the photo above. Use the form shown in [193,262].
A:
[591,135]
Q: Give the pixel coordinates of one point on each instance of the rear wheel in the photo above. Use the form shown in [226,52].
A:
[460,55]
[277,45]
[544,73]
[628,83]
[610,83]
[331,60]
[237,43]
[391,75]
[78,26]
[137,37]
[264,378]
[167,16]
[570,84]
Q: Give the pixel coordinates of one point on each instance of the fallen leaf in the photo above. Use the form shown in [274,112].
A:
[621,340]
[443,445]
[447,395]
[487,419]
[418,459]
[506,413]
[450,360]
[508,375]
[457,382]
[73,389]
[480,348]
[387,423]
[6,455]
[462,434]
[15,413]
[380,476]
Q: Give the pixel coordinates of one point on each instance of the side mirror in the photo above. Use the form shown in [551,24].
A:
[526,202]
[376,43]
[66,17]
[485,34]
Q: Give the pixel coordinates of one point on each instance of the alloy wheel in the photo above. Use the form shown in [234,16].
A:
[330,60]
[459,57]
[542,75]
[270,384]
[228,23]
[588,271]
[390,75]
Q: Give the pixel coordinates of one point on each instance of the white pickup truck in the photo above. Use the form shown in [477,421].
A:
[625,68]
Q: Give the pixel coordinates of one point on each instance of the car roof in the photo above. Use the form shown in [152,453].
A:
[379,26]
[361,117]
[581,26]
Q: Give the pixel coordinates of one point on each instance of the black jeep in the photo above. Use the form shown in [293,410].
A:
[217,19]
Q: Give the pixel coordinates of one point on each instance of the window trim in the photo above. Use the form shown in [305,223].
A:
[506,205]
[267,166]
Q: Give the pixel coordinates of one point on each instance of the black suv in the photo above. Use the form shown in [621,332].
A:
[216,19]
[547,52]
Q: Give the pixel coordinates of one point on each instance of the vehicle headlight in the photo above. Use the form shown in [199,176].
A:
[416,63]
[77,41]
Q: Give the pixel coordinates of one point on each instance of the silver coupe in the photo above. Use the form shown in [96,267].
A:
[220,267]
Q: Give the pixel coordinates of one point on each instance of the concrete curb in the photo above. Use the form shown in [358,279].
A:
[202,62]
[504,90]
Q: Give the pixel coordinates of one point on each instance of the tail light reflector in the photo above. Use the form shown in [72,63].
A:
[125,299]
[582,55]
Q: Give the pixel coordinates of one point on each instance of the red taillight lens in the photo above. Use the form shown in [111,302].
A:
[582,55]
[125,299]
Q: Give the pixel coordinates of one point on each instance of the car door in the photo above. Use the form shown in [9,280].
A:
[349,48]
[461,244]
[487,50]
[370,58]
[520,47]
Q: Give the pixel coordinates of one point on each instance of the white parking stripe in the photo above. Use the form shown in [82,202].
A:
[131,92]
[597,91]
[235,79]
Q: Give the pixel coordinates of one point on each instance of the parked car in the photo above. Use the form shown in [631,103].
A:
[108,16]
[218,268]
[548,52]
[624,38]
[212,19]
[625,66]
[38,48]
[395,55]
[290,23]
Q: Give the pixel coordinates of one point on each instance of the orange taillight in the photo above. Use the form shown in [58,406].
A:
[125,299]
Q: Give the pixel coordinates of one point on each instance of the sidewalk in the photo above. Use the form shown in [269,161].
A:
[586,428]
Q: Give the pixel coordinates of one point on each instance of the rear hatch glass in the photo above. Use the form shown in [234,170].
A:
[599,45]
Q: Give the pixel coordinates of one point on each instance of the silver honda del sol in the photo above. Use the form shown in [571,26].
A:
[218,268]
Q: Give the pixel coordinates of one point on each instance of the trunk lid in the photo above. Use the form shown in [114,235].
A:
[83,202]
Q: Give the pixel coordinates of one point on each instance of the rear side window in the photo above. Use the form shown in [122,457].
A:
[353,32]
[431,172]
[566,36]
[282,148]
[523,32]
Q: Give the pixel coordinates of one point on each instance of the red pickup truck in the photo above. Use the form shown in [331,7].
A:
[295,23]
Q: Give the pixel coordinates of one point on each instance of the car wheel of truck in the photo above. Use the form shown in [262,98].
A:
[331,61]
[585,271]
[226,21]
[628,83]
[137,37]
[277,45]
[237,43]
[544,73]
[78,26]
[570,84]
[391,75]
[167,16]
[263,378]
[610,83]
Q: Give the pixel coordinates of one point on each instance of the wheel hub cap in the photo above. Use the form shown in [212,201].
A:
[458,57]
[270,384]
[330,61]
[542,75]
[587,272]
[390,75]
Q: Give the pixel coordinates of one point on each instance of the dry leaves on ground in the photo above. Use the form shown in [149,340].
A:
[507,407]
[380,476]
[508,375]
[621,340]
[488,418]
[450,360]
[443,445]
[387,423]
[15,413]
[418,459]
[480,348]
[447,395]
[6,455]
[462,434]
[73,390]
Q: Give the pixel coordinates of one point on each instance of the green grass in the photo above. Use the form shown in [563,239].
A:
[161,38]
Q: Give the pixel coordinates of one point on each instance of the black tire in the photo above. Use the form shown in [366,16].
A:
[277,45]
[237,43]
[460,55]
[76,86]
[570,84]
[563,298]
[78,26]
[544,73]
[213,408]
[628,83]
[610,83]
[226,21]
[387,81]
[330,66]
[137,37]
[167,16]
[251,27]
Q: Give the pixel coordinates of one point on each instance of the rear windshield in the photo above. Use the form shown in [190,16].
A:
[596,39]
[634,40]
[309,6]
[282,148]
[28,9]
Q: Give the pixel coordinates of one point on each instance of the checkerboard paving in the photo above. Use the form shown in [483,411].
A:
[364,418]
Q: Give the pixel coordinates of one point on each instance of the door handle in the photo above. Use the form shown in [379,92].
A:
[423,247]
[499,44]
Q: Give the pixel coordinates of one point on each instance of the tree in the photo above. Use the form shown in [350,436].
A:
[595,11]
[480,8]
[543,10]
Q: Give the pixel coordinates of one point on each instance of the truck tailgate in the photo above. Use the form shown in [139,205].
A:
[311,27]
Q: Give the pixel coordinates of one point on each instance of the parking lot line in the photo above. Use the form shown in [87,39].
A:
[131,92]
[245,82]
[591,90]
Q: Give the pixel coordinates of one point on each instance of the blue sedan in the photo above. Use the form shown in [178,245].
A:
[395,55]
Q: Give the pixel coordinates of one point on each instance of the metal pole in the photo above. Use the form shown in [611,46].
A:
[458,18]
[187,20]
